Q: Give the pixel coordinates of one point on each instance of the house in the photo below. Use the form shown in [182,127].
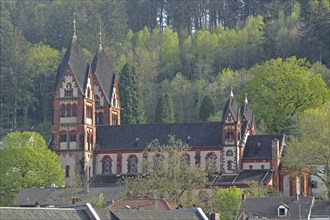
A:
[91,141]
[283,207]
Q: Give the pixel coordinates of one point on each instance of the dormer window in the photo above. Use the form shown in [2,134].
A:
[282,210]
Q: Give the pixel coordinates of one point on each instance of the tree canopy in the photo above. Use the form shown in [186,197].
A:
[169,173]
[26,162]
[131,97]
[228,201]
[165,109]
[283,87]
[313,147]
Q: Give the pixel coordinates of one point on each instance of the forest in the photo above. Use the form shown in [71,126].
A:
[187,51]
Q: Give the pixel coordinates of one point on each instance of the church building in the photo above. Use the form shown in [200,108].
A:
[92,143]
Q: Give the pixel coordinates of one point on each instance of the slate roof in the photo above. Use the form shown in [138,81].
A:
[232,106]
[243,178]
[42,213]
[144,204]
[138,136]
[109,180]
[102,70]
[48,196]
[263,150]
[247,112]
[74,57]
[321,208]
[267,207]
[153,215]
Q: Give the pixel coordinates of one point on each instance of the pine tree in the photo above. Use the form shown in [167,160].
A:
[131,97]
[165,109]
[206,109]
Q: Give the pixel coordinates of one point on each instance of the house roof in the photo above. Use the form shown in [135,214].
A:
[43,213]
[105,179]
[74,57]
[243,178]
[130,137]
[321,208]
[60,196]
[152,214]
[144,204]
[102,70]
[267,207]
[260,146]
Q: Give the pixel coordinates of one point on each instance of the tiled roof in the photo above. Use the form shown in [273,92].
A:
[267,207]
[260,146]
[101,180]
[74,57]
[42,213]
[144,204]
[102,70]
[138,136]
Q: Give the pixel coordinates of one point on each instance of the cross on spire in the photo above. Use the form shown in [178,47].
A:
[74,26]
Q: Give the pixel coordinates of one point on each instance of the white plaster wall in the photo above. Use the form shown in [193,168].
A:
[63,145]
[256,165]
[89,164]
[89,86]
[74,86]
[321,188]
[232,158]
[73,145]
[69,161]
[125,162]
[68,119]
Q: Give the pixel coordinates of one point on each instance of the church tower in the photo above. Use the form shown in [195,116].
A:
[107,104]
[231,136]
[74,128]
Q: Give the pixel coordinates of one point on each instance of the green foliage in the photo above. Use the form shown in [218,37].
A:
[228,201]
[291,127]
[131,97]
[283,87]
[257,190]
[165,109]
[99,201]
[25,162]
[206,109]
[169,174]
[313,147]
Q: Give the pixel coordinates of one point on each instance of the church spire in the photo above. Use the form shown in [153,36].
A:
[231,93]
[74,26]
[246,100]
[100,34]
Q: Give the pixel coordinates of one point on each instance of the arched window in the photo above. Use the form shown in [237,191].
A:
[187,159]
[107,165]
[132,164]
[229,153]
[73,137]
[74,109]
[211,162]
[229,135]
[62,110]
[229,164]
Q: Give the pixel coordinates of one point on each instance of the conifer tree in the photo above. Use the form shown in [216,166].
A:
[131,97]
[165,109]
[206,109]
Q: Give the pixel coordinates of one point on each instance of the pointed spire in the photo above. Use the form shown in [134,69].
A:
[246,100]
[231,92]
[74,26]
[100,34]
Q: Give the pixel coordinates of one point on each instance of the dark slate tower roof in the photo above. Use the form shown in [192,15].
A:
[232,106]
[74,57]
[102,70]
[246,110]
[260,146]
[131,137]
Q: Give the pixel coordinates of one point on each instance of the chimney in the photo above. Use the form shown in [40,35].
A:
[76,200]
[275,154]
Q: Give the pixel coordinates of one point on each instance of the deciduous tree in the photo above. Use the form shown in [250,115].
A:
[26,162]
[227,201]
[169,173]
